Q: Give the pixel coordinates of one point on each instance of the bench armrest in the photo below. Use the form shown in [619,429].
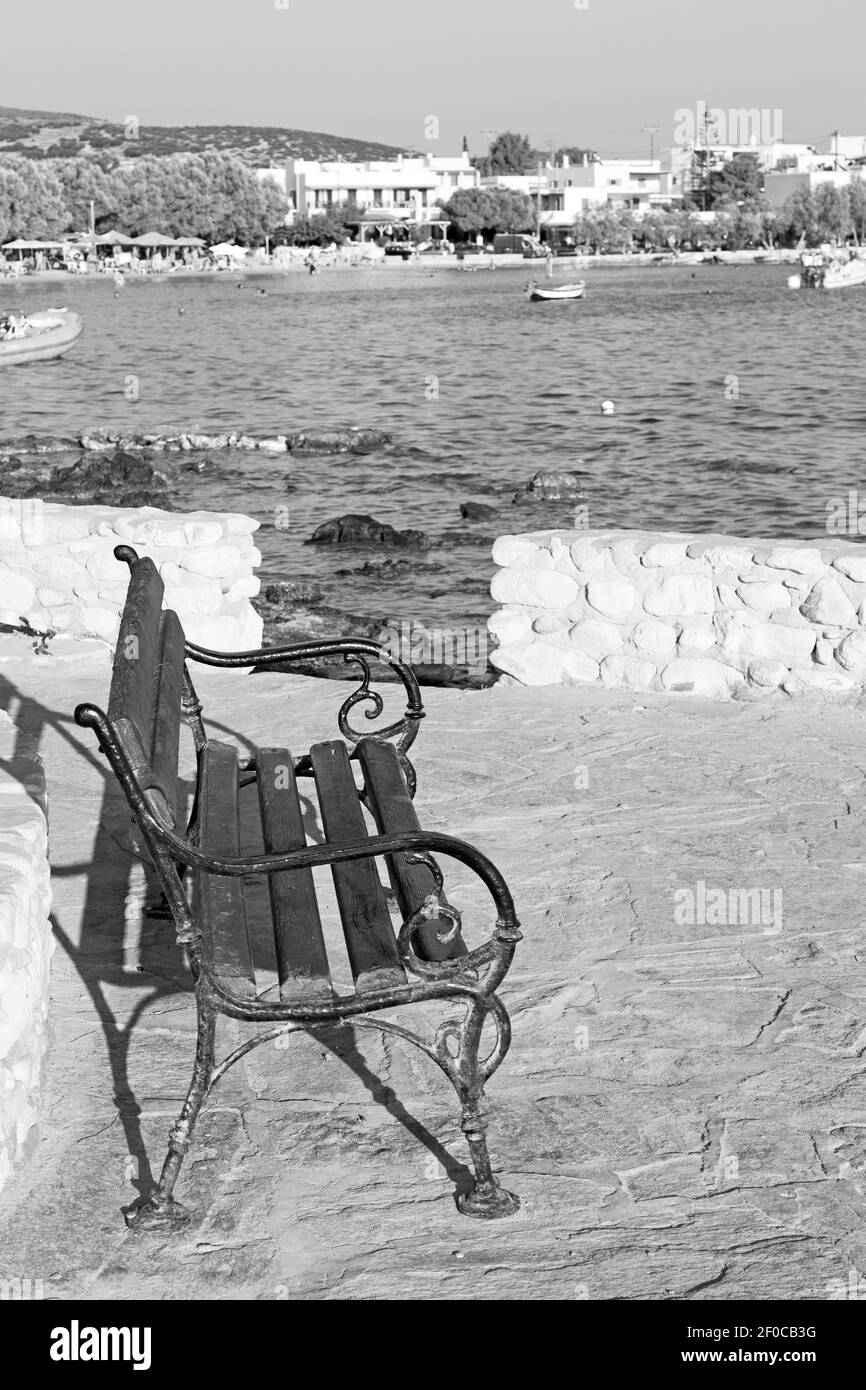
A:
[351,649]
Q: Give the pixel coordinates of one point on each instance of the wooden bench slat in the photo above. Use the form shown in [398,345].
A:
[302,961]
[370,939]
[221,899]
[168,695]
[395,814]
[132,681]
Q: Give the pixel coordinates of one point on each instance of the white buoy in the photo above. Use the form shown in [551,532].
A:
[607,407]
[793,282]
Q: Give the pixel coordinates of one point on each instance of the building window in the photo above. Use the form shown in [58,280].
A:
[377,198]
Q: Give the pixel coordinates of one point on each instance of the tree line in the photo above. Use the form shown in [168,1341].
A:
[213,196]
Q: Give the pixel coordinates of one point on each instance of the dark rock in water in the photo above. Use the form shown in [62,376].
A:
[391,569]
[289,619]
[35,444]
[464,537]
[337,441]
[123,480]
[358,529]
[477,511]
[293,591]
[205,467]
[551,487]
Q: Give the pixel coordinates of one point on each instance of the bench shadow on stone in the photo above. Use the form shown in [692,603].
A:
[102,958]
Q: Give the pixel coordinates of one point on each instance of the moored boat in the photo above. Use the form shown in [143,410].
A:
[828,269]
[555,292]
[44,335]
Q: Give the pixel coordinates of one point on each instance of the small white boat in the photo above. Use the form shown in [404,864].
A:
[45,335]
[829,269]
[555,292]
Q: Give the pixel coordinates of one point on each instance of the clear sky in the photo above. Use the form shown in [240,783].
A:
[377,69]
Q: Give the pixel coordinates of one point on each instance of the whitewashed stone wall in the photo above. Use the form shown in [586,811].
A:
[58,571]
[26,942]
[715,616]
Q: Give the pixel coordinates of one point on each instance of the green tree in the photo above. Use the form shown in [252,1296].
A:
[509,153]
[489,210]
[32,204]
[739,181]
[83,181]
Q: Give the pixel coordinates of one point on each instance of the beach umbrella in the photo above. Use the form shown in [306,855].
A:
[153,239]
[226,248]
[114,239]
[190,241]
[20,245]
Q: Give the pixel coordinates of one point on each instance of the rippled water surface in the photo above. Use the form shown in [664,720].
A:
[740,405]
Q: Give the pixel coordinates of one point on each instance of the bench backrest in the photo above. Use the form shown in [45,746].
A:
[147,688]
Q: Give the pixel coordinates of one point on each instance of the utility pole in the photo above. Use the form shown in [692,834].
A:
[652,131]
[538,206]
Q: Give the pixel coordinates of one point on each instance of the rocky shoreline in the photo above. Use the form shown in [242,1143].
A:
[111,468]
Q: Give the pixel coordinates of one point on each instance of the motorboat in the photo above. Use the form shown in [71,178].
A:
[829,269]
[41,336]
[555,292]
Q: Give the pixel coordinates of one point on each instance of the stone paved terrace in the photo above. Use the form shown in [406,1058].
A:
[683,1109]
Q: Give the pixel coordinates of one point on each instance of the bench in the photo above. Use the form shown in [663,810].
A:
[208,884]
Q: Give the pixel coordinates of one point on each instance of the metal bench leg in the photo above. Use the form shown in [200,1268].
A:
[487,1199]
[160,1209]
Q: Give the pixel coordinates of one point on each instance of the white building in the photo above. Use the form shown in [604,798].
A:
[778,160]
[567,191]
[408,186]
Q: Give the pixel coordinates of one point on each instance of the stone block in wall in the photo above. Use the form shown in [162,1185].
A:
[819,679]
[17,595]
[851,654]
[792,645]
[509,625]
[696,676]
[535,588]
[665,553]
[537,663]
[622,671]
[657,640]
[595,639]
[827,602]
[798,558]
[612,598]
[767,673]
[587,557]
[96,621]
[518,552]
[764,598]
[853,567]
[215,563]
[681,596]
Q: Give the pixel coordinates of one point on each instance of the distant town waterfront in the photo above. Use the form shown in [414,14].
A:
[738,407]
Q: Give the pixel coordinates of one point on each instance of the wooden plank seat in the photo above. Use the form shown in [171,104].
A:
[215,892]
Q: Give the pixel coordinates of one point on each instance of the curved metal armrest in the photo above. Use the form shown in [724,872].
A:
[351,649]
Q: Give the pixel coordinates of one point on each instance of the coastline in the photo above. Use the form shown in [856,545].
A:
[687,259]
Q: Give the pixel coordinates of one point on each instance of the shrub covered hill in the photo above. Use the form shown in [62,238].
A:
[62,135]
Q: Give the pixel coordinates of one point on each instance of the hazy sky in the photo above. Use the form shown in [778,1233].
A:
[377,69]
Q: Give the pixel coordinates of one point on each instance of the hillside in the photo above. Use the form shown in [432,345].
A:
[47,134]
